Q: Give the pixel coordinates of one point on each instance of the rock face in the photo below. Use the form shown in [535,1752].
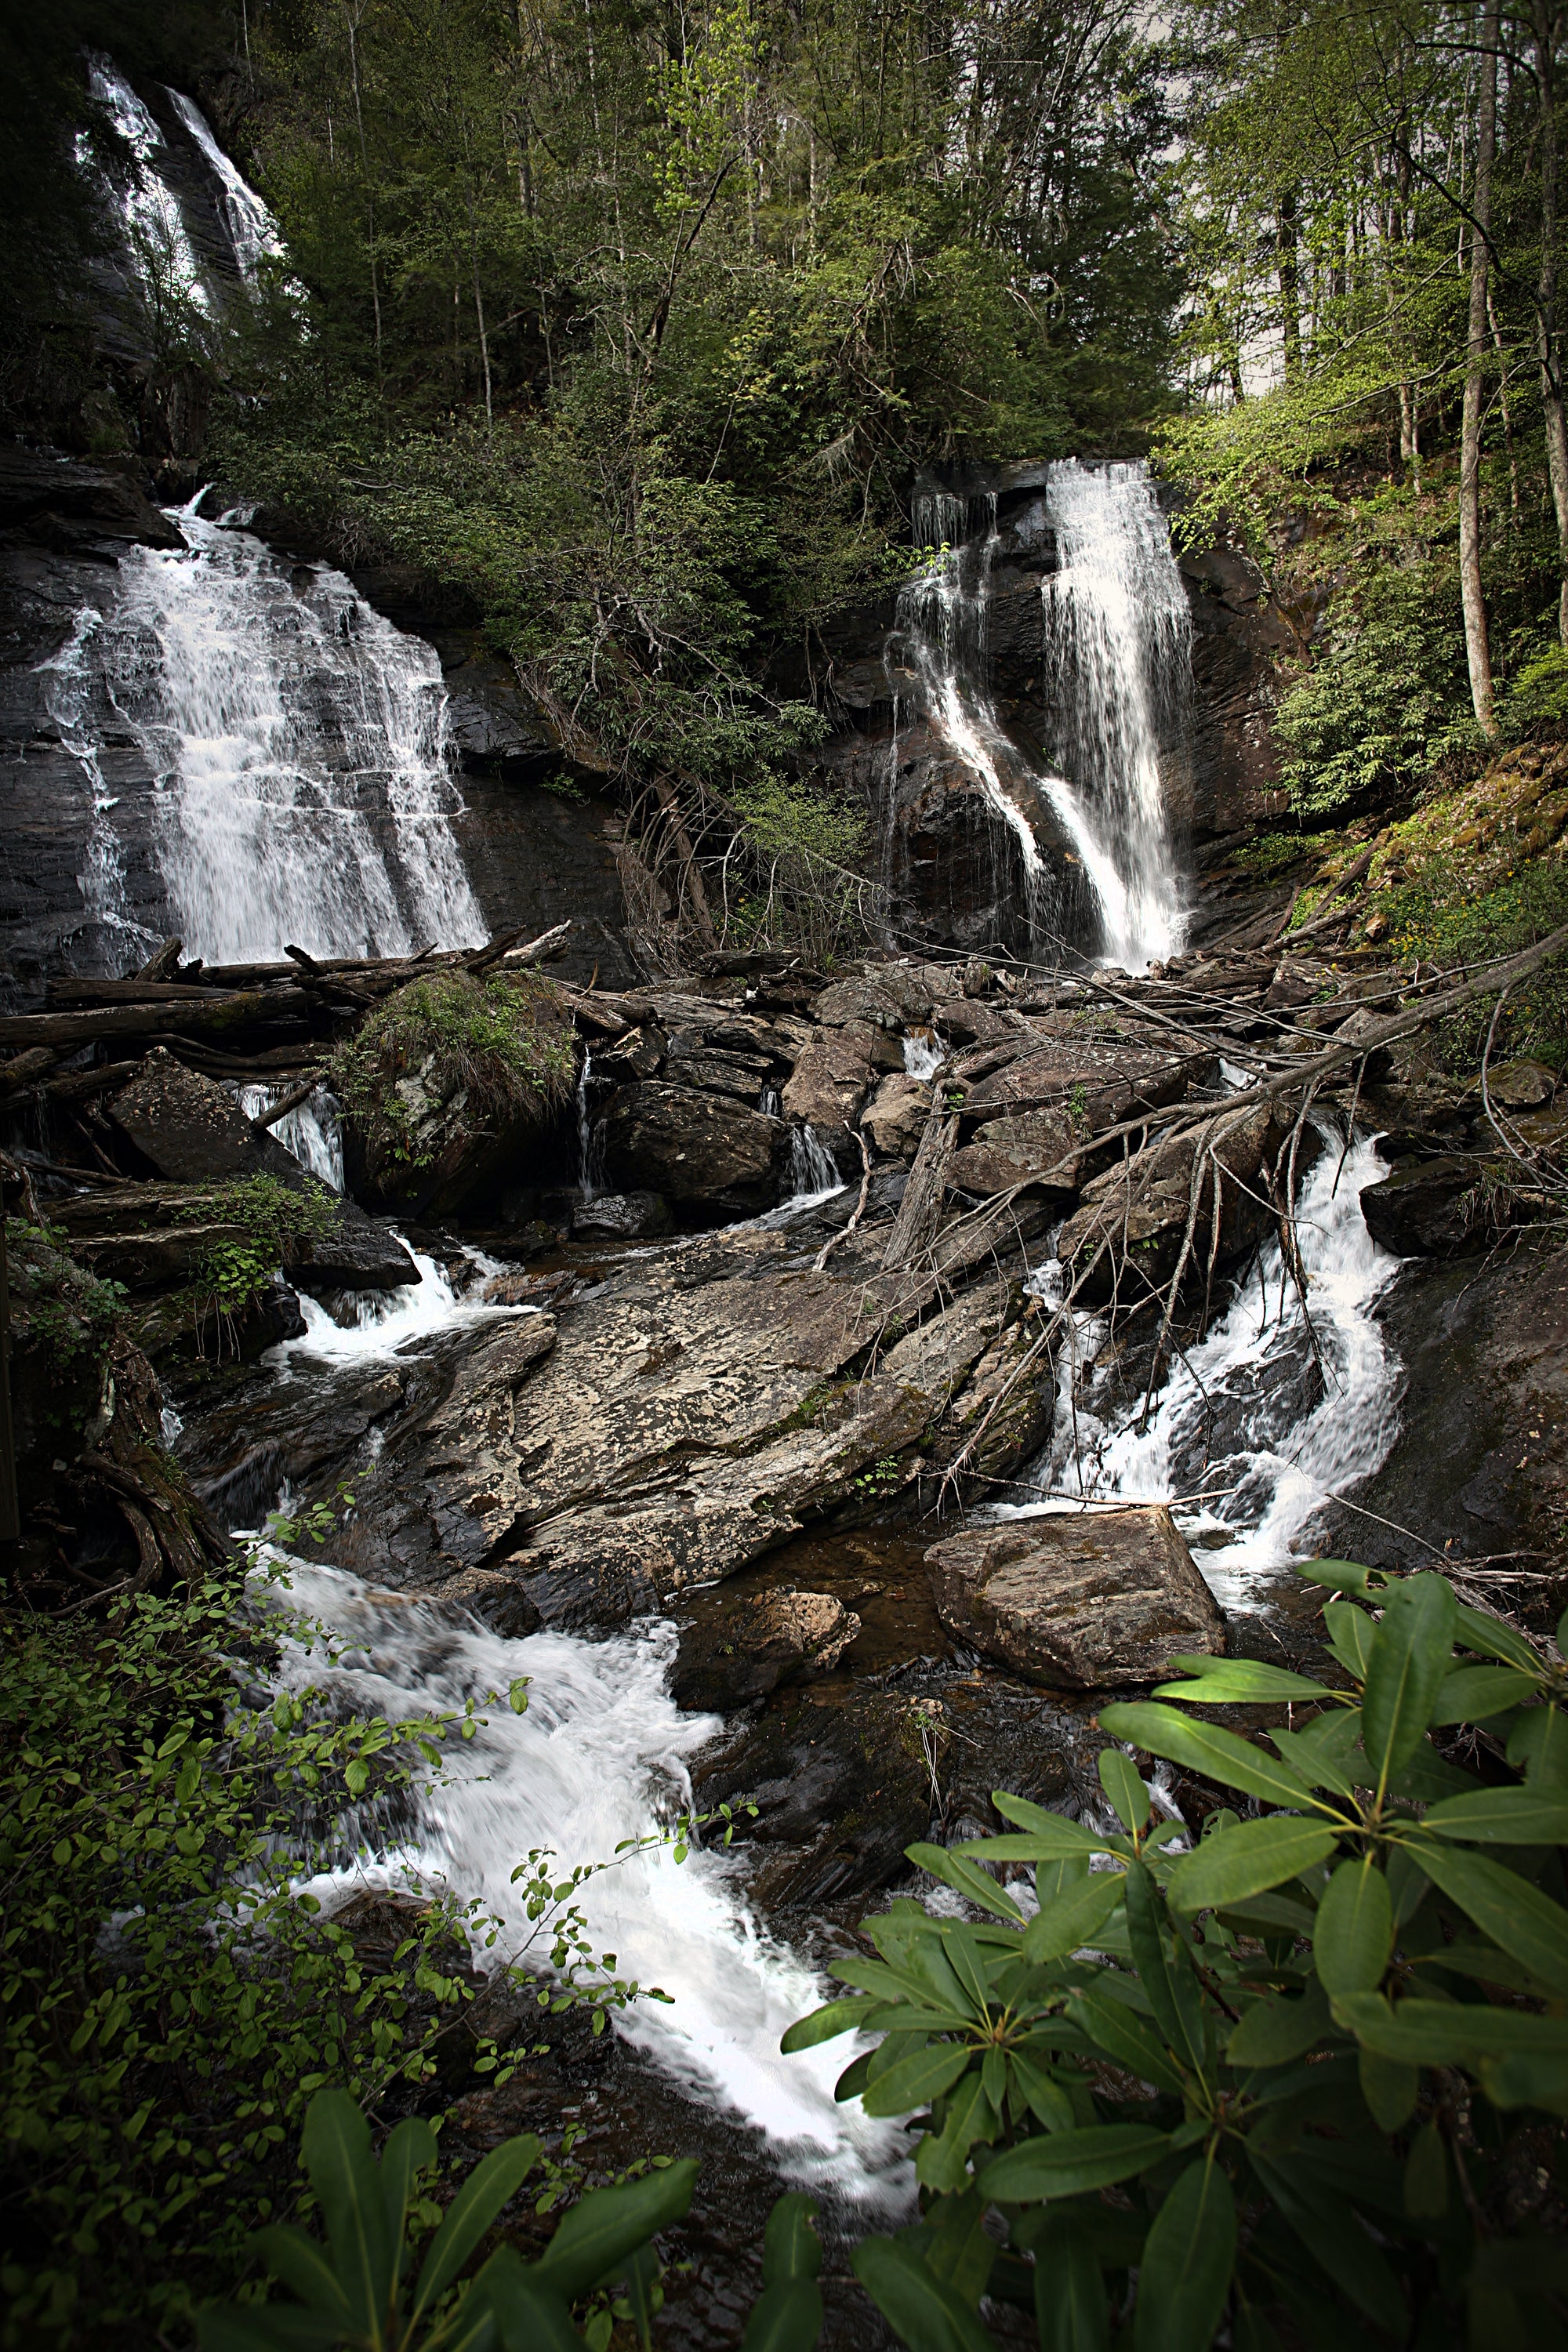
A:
[1428,1208]
[745,1648]
[622,1216]
[1078,1601]
[692,1145]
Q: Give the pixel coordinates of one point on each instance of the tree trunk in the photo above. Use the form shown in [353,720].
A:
[1548,24]
[1478,650]
[1290,280]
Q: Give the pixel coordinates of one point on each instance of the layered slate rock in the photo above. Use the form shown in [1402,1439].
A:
[835,1075]
[743,1647]
[1134,1216]
[693,1146]
[1078,1601]
[1041,1149]
[1429,1208]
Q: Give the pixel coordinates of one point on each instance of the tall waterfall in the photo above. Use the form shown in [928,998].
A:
[1115,648]
[297,745]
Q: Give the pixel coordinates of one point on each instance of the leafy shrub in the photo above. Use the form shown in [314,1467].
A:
[58,1307]
[495,1050]
[1291,2077]
[273,1214]
[1385,696]
[168,2001]
[357,2289]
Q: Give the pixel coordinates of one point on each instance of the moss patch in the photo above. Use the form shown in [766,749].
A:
[489,1053]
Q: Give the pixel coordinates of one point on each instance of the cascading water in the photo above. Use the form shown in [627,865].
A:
[923,1054]
[600,1756]
[298,742]
[113,937]
[162,260]
[312,1131]
[252,229]
[590,1139]
[813,1175]
[1115,661]
[1118,637]
[1255,1421]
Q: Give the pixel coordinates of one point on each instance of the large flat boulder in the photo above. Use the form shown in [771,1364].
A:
[1078,1601]
[1042,1149]
[895,1117]
[836,1072]
[1429,1208]
[742,1646]
[692,1145]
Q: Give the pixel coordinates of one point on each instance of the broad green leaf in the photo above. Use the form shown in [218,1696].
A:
[1502,1817]
[1125,2036]
[786,2318]
[409,2150]
[1449,2033]
[1048,2103]
[1471,1694]
[1337,1575]
[1181,2020]
[1204,1747]
[1518,2081]
[922,2310]
[791,2247]
[303,2265]
[1069,1923]
[1275,2031]
[1350,1632]
[1484,1963]
[942,2163]
[608,2224]
[916,2080]
[492,2184]
[1426,2175]
[1390,2088]
[1515,1915]
[265,2327]
[1241,1681]
[1062,1835]
[1539,1741]
[958,2246]
[1183,2278]
[1122,1783]
[529,2315]
[335,2148]
[1353,1934]
[1066,2163]
[1492,1639]
[1412,1652]
[1071,2311]
[824,2024]
[1054,1879]
[1270,1915]
[1246,1861]
[957,1871]
[1328,2228]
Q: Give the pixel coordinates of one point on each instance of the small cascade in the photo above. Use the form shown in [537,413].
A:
[813,1174]
[1263,1420]
[312,1131]
[590,1137]
[252,228]
[113,938]
[298,744]
[923,1052]
[599,1758]
[162,258]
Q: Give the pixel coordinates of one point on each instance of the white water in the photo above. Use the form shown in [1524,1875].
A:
[312,1131]
[599,1757]
[69,678]
[379,1322]
[590,1137]
[1242,1421]
[157,242]
[298,744]
[252,228]
[923,1052]
[1115,670]
[1117,660]
[812,1171]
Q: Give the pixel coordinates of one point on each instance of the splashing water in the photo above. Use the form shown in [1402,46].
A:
[252,228]
[590,1137]
[299,742]
[68,691]
[1118,635]
[312,1131]
[601,1756]
[1245,1419]
[157,242]
[923,1054]
[814,1173]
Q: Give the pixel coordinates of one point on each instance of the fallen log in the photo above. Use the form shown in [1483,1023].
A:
[164,963]
[246,1009]
[78,995]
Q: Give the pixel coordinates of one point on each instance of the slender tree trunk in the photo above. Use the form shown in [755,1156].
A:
[1548,26]
[351,19]
[1478,649]
[1289,280]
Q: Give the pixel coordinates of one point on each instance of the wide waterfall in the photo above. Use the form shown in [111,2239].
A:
[1114,675]
[296,741]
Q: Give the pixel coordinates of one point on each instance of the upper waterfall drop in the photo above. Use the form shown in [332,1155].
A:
[1114,673]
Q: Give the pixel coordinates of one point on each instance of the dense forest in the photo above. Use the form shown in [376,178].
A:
[636,347]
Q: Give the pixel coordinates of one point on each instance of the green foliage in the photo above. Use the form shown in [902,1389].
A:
[170,2002]
[1385,696]
[273,1215]
[494,1048]
[1307,2054]
[58,1308]
[356,2287]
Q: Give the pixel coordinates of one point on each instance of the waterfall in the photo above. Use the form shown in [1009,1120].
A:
[1253,1426]
[312,1131]
[1115,665]
[590,1137]
[812,1172]
[158,245]
[68,676]
[599,1758]
[923,1054]
[298,744]
[252,229]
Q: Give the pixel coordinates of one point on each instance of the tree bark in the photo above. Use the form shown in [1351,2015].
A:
[1478,648]
[1290,280]
[1547,27]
